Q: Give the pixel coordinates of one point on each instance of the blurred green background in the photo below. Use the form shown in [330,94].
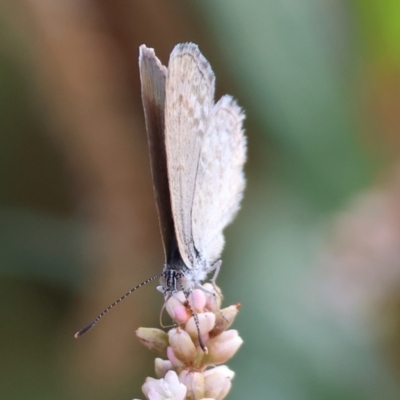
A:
[314,254]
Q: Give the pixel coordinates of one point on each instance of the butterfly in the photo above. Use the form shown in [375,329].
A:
[197,152]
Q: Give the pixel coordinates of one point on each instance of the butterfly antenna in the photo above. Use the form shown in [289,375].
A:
[90,325]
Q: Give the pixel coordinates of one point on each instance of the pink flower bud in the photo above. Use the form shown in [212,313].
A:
[206,324]
[224,319]
[194,381]
[176,363]
[162,367]
[154,339]
[197,300]
[176,308]
[214,299]
[218,382]
[222,347]
[182,345]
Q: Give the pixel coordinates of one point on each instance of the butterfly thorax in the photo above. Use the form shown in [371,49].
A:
[178,276]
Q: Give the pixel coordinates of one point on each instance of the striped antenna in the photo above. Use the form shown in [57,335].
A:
[196,321]
[90,325]
[195,316]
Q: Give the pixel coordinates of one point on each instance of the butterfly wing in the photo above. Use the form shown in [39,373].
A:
[220,179]
[189,101]
[153,78]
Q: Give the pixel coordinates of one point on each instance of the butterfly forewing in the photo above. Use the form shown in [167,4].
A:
[153,79]
[190,98]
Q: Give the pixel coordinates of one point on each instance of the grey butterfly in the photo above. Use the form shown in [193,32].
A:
[197,152]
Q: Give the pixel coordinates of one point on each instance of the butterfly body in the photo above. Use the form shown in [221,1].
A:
[197,150]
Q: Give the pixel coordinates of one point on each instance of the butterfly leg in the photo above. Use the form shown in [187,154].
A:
[216,267]
[199,286]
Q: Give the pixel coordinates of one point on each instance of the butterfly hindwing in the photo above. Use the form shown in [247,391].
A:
[220,179]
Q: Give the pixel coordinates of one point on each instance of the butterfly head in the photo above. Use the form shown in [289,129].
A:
[171,281]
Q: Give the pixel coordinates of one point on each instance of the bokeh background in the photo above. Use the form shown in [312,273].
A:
[314,254]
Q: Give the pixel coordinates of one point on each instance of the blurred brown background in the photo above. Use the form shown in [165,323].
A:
[314,255]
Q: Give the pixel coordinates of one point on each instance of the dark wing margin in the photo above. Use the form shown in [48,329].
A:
[153,79]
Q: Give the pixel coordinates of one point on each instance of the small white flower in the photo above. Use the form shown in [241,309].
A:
[168,388]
